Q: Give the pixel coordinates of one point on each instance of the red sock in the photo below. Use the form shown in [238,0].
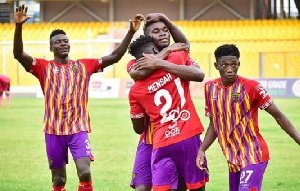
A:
[58,188]
[85,186]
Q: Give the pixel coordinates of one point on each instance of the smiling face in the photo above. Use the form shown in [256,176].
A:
[228,67]
[160,34]
[60,46]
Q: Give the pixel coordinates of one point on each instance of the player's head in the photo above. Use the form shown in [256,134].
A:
[227,62]
[143,44]
[159,32]
[59,43]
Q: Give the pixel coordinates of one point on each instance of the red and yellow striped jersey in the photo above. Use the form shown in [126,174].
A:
[65,87]
[146,136]
[234,112]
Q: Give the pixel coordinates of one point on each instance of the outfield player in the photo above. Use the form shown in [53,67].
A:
[176,126]
[156,27]
[232,104]
[65,86]
[4,87]
[141,174]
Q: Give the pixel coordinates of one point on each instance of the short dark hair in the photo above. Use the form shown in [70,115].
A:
[146,27]
[227,50]
[56,32]
[136,48]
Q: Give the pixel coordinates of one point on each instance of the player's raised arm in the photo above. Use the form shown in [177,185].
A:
[209,138]
[176,33]
[283,122]
[20,18]
[117,54]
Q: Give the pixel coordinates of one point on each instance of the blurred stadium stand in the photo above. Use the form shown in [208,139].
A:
[269,47]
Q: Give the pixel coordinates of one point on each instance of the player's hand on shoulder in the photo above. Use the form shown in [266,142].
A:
[135,23]
[177,47]
[21,14]
[148,61]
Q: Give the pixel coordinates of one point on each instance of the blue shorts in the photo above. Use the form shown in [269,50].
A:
[141,173]
[57,148]
[249,178]
[176,161]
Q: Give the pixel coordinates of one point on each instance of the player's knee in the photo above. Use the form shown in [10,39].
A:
[59,180]
[84,176]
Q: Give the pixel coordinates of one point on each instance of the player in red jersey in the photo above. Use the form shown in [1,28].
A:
[141,174]
[159,27]
[165,97]
[65,86]
[4,87]
[232,104]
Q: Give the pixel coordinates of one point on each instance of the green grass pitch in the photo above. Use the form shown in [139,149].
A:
[24,166]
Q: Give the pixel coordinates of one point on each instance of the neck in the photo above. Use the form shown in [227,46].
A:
[228,83]
[62,60]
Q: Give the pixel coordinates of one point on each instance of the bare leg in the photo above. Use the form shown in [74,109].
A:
[59,176]
[143,188]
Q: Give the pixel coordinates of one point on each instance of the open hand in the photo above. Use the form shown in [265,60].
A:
[200,160]
[148,61]
[21,14]
[135,23]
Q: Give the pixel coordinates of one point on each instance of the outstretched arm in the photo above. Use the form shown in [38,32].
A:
[118,53]
[176,33]
[20,18]
[151,62]
[209,138]
[283,122]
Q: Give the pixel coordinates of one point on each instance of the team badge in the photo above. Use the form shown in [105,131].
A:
[235,97]
[75,69]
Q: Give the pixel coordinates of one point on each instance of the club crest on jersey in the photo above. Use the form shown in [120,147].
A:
[75,69]
[235,97]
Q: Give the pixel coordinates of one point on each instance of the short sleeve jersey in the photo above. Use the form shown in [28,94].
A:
[234,112]
[65,87]
[166,99]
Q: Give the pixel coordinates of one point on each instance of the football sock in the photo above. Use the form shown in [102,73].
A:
[58,188]
[85,186]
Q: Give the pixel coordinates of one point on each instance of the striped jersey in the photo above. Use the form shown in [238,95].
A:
[65,87]
[234,112]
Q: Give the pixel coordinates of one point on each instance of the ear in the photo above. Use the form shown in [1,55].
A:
[216,65]
[50,48]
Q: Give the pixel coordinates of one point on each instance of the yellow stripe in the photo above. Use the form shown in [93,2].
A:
[74,128]
[59,98]
[46,89]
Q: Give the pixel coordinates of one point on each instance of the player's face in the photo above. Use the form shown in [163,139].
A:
[160,34]
[228,67]
[60,46]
